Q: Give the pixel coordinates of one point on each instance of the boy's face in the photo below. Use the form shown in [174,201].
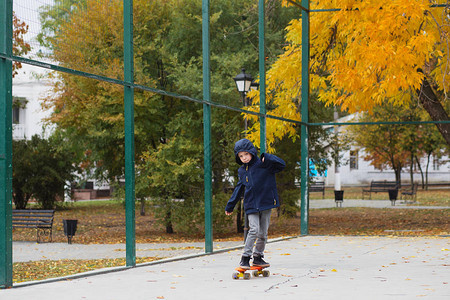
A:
[245,157]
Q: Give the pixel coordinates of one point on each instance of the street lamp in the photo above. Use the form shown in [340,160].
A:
[243,82]
[254,86]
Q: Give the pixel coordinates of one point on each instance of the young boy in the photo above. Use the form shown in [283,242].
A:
[257,184]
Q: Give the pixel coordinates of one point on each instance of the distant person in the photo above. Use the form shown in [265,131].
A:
[257,184]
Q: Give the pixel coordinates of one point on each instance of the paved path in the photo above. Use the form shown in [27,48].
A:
[312,267]
[399,204]
[31,251]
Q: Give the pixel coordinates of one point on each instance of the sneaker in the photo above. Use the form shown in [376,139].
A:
[259,261]
[245,263]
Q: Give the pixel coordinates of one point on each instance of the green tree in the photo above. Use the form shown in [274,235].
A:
[173,176]
[41,170]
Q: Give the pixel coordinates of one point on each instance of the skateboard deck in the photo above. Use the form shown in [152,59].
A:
[255,270]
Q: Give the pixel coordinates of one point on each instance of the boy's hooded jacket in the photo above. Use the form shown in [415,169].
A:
[256,180]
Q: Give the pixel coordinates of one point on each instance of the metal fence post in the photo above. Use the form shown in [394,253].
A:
[6,272]
[129,134]
[207,128]
[262,77]
[304,230]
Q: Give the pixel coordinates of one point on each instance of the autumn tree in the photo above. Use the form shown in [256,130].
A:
[87,35]
[90,112]
[366,54]
[383,144]
[52,16]
[20,47]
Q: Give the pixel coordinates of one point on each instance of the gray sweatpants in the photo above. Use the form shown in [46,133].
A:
[258,226]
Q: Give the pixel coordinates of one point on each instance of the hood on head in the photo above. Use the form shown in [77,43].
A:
[244,145]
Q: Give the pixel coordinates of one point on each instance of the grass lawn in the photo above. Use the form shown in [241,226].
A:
[103,222]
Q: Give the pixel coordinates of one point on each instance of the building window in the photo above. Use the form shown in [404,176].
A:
[353,159]
[16,115]
[19,103]
[436,163]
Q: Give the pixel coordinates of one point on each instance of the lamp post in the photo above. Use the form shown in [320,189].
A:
[254,86]
[244,83]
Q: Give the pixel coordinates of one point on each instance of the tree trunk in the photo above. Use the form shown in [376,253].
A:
[411,170]
[169,227]
[398,172]
[142,200]
[421,172]
[20,199]
[426,171]
[433,106]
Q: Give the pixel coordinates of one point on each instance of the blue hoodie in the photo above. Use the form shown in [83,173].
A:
[256,180]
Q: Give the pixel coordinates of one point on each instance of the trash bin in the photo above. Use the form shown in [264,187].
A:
[70,227]
[393,194]
[339,198]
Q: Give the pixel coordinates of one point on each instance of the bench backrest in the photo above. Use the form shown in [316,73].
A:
[383,185]
[32,218]
[412,188]
[317,185]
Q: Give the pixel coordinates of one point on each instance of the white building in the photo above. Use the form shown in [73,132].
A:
[28,89]
[357,171]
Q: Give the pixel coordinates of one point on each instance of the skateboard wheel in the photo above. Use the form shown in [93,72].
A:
[266,273]
[235,275]
[246,276]
[255,273]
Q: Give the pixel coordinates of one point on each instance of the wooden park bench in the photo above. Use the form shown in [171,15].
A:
[42,220]
[410,192]
[378,187]
[317,186]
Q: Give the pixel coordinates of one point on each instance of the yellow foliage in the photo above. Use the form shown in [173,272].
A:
[365,54]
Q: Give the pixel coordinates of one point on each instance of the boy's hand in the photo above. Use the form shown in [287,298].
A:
[228,213]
